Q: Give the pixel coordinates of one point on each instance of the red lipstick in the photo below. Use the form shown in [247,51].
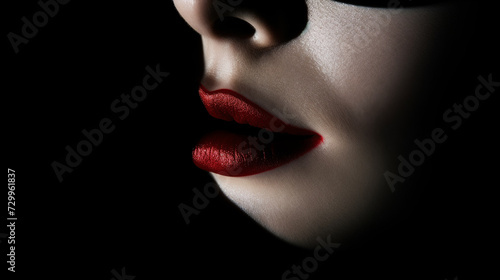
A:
[261,143]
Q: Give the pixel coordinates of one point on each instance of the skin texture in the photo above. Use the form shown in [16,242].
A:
[356,75]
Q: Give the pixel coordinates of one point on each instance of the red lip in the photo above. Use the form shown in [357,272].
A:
[273,142]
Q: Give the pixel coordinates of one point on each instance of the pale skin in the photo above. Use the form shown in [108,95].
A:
[355,75]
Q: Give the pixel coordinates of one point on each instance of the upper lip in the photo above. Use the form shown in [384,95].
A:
[229,105]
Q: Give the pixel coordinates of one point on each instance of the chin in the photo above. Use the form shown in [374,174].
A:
[332,191]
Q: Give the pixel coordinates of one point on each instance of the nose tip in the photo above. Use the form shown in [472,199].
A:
[197,13]
[261,23]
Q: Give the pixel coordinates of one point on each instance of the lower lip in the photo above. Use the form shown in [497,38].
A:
[236,155]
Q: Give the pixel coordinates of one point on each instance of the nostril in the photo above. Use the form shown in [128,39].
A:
[233,27]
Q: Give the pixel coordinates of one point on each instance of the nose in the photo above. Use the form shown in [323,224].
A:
[261,23]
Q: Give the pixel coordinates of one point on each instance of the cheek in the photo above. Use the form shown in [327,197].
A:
[376,60]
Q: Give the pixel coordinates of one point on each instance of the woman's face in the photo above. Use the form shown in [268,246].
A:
[352,76]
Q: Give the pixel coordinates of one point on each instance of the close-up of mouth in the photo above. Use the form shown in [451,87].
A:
[249,140]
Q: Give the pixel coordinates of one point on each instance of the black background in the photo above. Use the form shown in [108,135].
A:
[119,207]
